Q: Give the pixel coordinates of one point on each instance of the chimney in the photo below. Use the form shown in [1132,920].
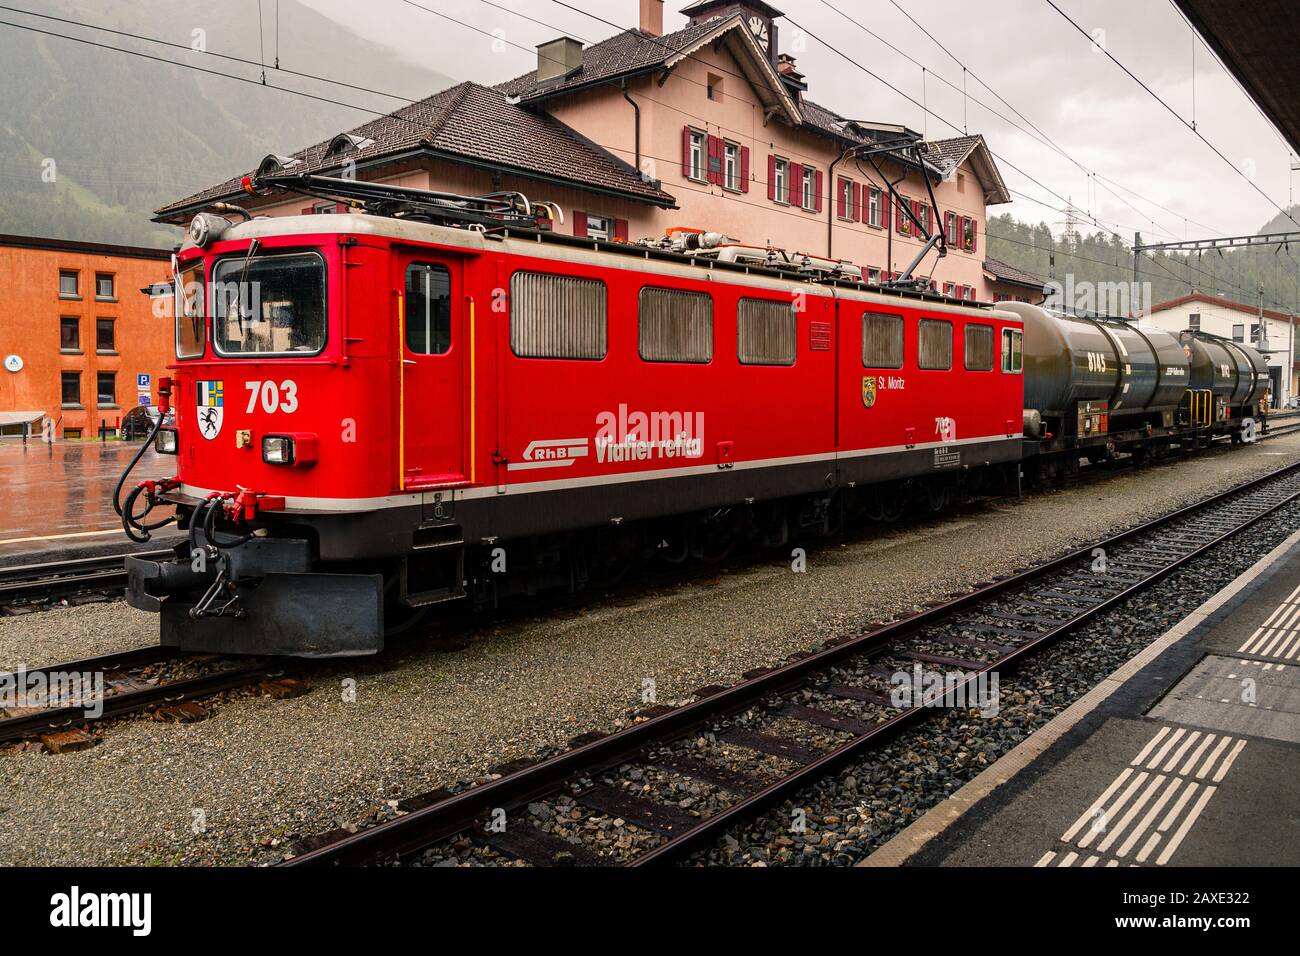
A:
[790,75]
[652,17]
[558,58]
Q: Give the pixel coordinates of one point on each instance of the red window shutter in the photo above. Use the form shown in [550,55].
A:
[916,212]
[686,152]
[340,207]
[579,223]
[974,228]
[818,188]
[841,207]
[771,177]
[620,230]
[859,191]
[884,209]
[744,169]
[794,188]
[902,218]
[715,160]
[308,211]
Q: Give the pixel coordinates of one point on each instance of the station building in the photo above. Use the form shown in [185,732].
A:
[1271,333]
[77,335]
[708,127]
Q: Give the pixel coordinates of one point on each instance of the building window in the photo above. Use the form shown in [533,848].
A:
[104,286]
[71,385]
[781,181]
[675,326]
[428,309]
[935,350]
[697,156]
[715,87]
[766,332]
[1254,333]
[106,388]
[68,285]
[808,190]
[873,207]
[557,317]
[882,341]
[1012,355]
[324,208]
[1194,321]
[69,334]
[904,220]
[950,222]
[104,339]
[731,165]
[873,276]
[600,227]
[847,203]
[968,293]
[924,216]
[979,348]
[1239,333]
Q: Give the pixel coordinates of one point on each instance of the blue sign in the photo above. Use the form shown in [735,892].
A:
[144,400]
[142,381]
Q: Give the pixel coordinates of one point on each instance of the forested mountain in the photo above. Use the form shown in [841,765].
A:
[1100,257]
[93,140]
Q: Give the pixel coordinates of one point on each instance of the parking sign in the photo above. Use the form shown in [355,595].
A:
[142,381]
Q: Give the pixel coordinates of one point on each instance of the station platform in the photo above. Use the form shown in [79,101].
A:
[1188,755]
[58,498]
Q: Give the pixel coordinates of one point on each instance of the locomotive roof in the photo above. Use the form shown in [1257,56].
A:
[588,252]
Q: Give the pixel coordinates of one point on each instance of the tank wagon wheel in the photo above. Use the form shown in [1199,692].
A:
[893,504]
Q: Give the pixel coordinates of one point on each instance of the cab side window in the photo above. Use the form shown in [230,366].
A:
[428,308]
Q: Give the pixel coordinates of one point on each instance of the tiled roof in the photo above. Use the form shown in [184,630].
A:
[478,124]
[1207,299]
[948,154]
[1002,272]
[631,51]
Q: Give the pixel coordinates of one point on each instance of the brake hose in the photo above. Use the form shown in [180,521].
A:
[130,522]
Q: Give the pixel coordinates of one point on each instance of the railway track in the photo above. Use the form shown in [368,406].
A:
[124,691]
[51,580]
[839,698]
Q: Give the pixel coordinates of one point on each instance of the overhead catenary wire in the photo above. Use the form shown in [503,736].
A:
[368,110]
[1173,112]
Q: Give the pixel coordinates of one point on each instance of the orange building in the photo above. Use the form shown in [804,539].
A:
[79,342]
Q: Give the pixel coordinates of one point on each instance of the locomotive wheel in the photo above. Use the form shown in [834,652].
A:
[611,555]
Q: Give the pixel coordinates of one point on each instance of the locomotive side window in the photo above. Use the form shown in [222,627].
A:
[1013,359]
[935,350]
[979,348]
[269,304]
[428,309]
[766,332]
[557,317]
[675,326]
[882,340]
[191,313]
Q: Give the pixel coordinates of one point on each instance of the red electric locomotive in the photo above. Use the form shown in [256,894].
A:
[379,413]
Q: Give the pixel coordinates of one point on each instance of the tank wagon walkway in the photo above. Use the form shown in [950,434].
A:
[1189,755]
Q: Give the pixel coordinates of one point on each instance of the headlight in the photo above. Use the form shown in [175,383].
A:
[277,450]
[298,450]
[166,442]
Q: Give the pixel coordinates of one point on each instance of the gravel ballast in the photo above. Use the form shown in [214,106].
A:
[232,788]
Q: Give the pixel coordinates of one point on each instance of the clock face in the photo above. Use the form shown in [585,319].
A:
[758,26]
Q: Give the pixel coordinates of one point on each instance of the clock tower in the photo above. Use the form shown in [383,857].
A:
[758,17]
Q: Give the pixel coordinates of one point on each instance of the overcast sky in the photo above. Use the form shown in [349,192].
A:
[1023,49]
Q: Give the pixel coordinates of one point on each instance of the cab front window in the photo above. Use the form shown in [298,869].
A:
[269,305]
[191,316]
